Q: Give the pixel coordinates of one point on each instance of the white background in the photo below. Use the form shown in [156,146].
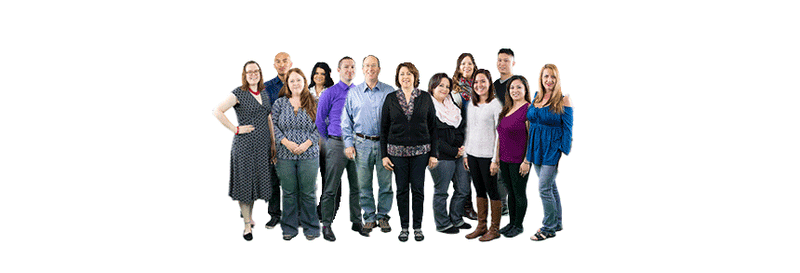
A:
[684,153]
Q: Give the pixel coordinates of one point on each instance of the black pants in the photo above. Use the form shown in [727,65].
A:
[410,171]
[485,183]
[516,185]
[274,201]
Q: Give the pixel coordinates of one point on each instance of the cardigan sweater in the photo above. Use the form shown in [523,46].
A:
[398,129]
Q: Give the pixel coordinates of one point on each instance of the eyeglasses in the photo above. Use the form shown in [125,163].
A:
[254,72]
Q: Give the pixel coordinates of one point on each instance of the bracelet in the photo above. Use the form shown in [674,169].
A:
[237,130]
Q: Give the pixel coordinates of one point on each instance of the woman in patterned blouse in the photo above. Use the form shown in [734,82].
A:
[408,138]
[293,114]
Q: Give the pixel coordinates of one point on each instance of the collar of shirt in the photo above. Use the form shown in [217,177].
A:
[364,87]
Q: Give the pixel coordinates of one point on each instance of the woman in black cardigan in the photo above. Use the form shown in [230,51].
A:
[450,124]
[408,143]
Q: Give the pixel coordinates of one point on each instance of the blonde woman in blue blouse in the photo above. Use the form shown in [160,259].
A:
[550,135]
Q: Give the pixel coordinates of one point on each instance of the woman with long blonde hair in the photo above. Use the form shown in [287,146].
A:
[550,135]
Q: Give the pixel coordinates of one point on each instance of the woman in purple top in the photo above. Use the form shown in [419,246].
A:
[512,132]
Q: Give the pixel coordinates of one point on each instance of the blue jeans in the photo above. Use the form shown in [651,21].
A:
[446,171]
[551,201]
[368,156]
[298,179]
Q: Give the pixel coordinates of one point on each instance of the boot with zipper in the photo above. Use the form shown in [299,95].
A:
[494,229]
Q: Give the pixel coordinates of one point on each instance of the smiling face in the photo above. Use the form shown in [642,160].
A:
[549,80]
[441,91]
[319,78]
[296,83]
[347,71]
[481,86]
[406,78]
[466,67]
[371,69]
[517,90]
[504,63]
[282,63]
[252,74]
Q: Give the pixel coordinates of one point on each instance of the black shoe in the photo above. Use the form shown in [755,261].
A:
[311,237]
[249,236]
[506,228]
[451,230]
[273,222]
[357,227]
[514,231]
[403,236]
[327,234]
[465,226]
[288,237]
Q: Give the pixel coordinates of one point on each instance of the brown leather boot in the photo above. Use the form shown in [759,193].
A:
[469,212]
[483,210]
[493,232]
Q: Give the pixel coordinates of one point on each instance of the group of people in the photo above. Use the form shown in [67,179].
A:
[463,128]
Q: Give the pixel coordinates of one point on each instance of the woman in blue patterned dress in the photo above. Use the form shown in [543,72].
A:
[293,114]
[550,134]
[253,143]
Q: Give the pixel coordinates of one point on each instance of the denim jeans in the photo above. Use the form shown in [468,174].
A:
[298,180]
[446,171]
[409,174]
[517,198]
[551,201]
[368,156]
[337,162]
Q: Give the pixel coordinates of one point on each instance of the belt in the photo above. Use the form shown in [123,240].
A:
[369,137]
[335,138]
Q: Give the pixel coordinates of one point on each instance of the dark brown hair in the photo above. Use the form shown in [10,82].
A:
[412,69]
[307,102]
[245,84]
[457,75]
[490,94]
[510,102]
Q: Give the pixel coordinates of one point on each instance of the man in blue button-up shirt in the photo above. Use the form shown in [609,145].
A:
[283,62]
[360,133]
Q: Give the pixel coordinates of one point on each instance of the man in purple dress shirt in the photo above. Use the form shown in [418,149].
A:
[329,114]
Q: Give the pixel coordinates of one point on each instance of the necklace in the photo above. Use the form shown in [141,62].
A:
[254,93]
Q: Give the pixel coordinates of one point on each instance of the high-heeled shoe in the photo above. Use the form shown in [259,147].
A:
[248,236]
